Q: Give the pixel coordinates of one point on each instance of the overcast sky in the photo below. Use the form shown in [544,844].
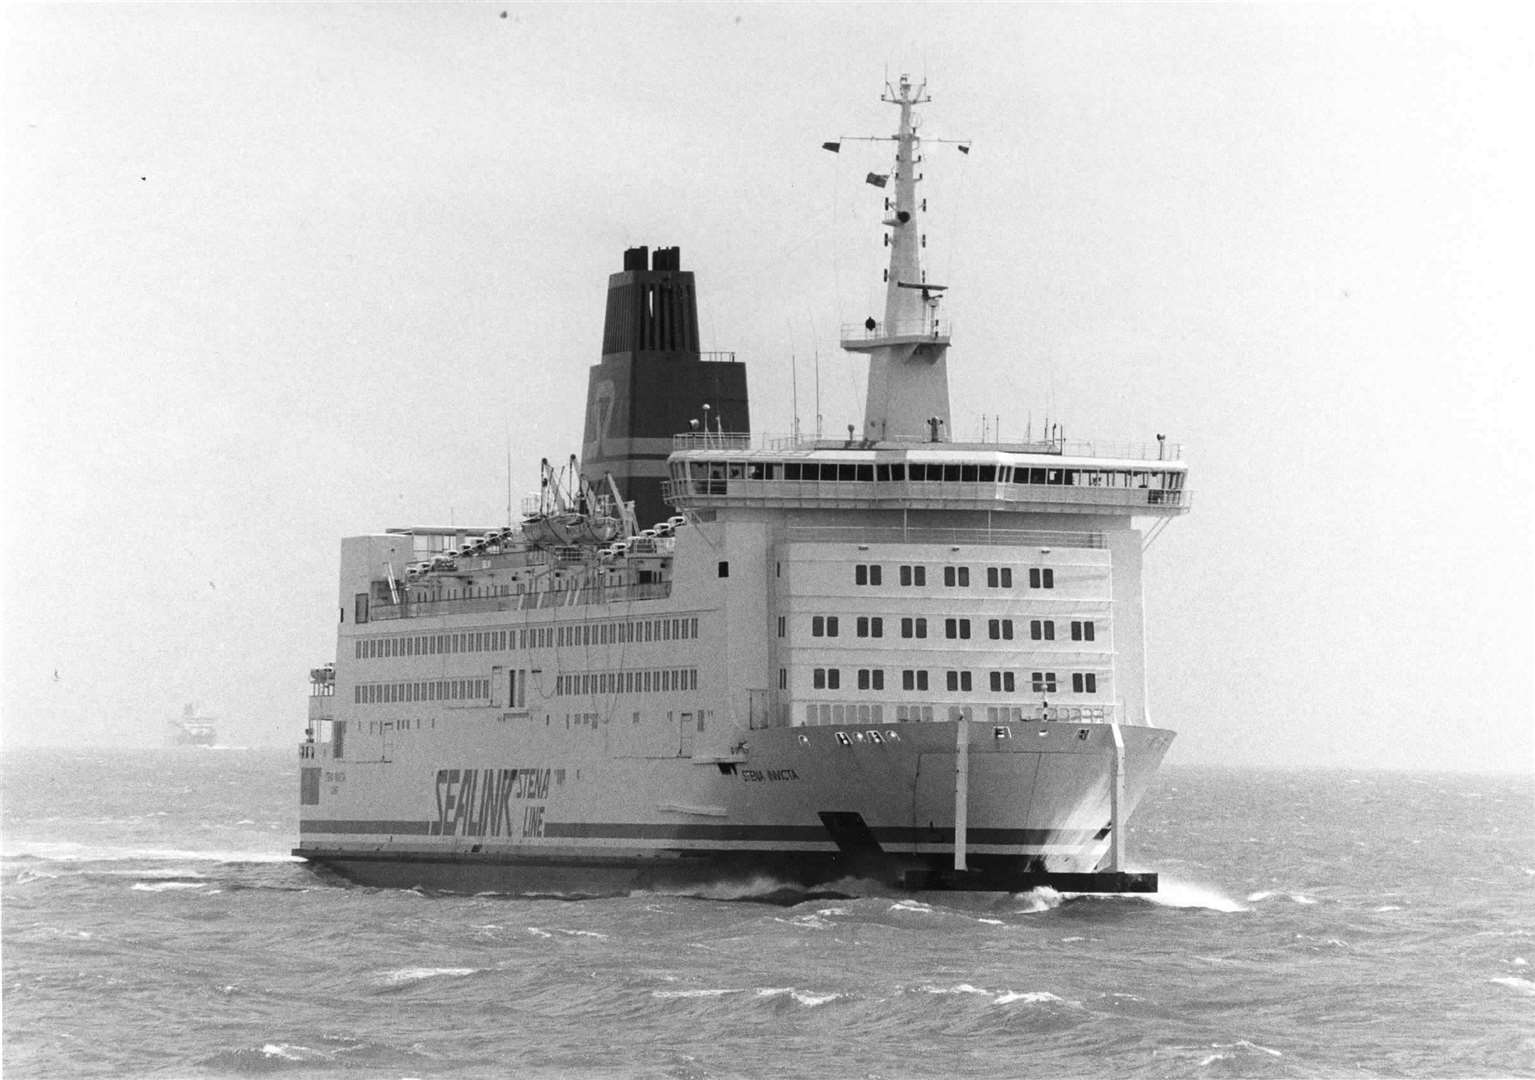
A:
[279,273]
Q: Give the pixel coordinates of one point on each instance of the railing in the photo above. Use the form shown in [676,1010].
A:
[863,333]
[712,440]
[1143,451]
[527,601]
[858,534]
[1056,447]
[684,492]
[718,356]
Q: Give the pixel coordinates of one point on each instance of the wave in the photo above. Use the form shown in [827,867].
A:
[1174,893]
[807,998]
[69,852]
[1513,982]
[998,997]
[410,975]
[1269,894]
[167,886]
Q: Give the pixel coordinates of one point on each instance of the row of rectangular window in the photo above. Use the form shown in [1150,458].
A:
[916,679]
[430,690]
[818,713]
[914,575]
[657,681]
[537,637]
[873,626]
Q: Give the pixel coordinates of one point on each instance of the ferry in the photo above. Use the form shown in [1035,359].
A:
[191,729]
[891,661]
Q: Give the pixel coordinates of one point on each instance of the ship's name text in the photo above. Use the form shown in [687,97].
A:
[757,776]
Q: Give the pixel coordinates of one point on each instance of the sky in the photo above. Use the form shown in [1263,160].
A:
[274,274]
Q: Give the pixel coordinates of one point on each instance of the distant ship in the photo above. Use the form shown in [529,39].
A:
[191,729]
[888,661]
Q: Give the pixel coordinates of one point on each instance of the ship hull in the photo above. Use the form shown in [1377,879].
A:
[828,808]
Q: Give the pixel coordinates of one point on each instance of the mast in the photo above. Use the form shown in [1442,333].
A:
[908,394]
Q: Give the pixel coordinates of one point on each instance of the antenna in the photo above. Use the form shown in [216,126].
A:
[818,394]
[794,394]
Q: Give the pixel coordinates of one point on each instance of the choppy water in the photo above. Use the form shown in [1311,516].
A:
[1310,925]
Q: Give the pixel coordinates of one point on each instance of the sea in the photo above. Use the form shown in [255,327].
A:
[1309,924]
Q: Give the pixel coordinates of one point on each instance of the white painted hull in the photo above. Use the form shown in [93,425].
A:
[484,809]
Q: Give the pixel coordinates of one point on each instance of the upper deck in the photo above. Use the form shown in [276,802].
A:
[722,470]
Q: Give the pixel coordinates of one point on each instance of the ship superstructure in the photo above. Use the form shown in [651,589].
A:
[895,657]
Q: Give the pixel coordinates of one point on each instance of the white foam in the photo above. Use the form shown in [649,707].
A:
[911,905]
[69,852]
[1524,986]
[166,886]
[285,1051]
[696,993]
[962,988]
[1387,907]
[404,976]
[806,922]
[1187,894]
[807,999]
[1041,899]
[1034,997]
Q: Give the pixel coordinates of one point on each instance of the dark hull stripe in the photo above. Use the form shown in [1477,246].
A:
[803,834]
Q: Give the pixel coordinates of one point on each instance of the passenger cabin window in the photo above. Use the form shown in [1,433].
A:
[956,577]
[867,574]
[1041,577]
[1081,631]
[913,628]
[957,680]
[1042,629]
[913,680]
